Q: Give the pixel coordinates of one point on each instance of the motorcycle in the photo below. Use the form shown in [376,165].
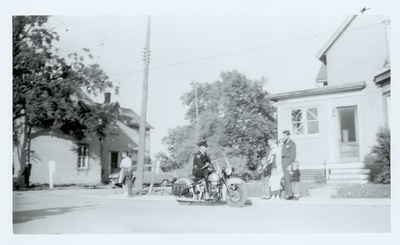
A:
[218,187]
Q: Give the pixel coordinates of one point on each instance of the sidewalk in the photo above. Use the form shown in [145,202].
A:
[318,196]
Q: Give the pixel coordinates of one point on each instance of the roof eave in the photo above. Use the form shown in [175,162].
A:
[322,53]
[318,91]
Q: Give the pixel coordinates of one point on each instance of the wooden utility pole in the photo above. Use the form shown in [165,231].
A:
[197,111]
[142,128]
[386,22]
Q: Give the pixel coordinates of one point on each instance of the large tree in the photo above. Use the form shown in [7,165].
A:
[49,90]
[235,116]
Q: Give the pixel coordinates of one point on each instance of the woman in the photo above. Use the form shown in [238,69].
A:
[272,161]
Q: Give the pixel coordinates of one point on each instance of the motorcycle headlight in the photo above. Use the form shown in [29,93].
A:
[213,177]
[228,171]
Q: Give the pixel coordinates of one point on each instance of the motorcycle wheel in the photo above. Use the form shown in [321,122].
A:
[236,195]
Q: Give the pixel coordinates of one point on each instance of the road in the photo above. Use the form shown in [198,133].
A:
[107,211]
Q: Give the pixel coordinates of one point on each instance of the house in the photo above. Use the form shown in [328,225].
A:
[335,123]
[85,161]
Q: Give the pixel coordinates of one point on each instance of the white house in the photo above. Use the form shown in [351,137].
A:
[334,124]
[84,161]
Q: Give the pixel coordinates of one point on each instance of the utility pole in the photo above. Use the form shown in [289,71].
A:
[142,128]
[386,22]
[196,102]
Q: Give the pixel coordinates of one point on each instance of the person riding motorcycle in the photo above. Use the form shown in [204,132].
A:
[201,163]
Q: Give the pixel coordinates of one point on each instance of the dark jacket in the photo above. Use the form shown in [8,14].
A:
[200,160]
[288,153]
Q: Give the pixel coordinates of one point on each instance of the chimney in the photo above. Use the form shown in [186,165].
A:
[107,97]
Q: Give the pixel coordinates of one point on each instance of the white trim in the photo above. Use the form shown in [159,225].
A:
[86,157]
[304,109]
[319,98]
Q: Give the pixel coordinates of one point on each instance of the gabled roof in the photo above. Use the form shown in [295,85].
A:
[349,87]
[133,116]
[129,132]
[335,37]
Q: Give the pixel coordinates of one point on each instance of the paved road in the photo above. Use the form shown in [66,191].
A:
[99,211]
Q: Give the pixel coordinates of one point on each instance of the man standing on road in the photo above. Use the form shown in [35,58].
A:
[288,157]
[27,174]
[126,170]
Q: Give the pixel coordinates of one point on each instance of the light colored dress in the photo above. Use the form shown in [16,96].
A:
[277,173]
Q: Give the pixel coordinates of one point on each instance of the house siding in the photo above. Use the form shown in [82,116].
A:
[359,53]
[62,150]
[314,151]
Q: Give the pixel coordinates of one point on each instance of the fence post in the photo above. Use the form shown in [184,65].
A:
[326,172]
[52,170]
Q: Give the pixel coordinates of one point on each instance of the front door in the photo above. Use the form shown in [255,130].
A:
[348,134]
[114,160]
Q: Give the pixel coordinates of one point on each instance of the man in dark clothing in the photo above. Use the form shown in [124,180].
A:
[27,174]
[288,157]
[201,161]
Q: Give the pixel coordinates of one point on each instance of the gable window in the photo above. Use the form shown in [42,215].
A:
[83,156]
[305,121]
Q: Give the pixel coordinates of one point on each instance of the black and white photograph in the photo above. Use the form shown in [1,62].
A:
[201,124]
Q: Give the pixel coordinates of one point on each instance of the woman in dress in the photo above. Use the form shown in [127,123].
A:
[269,163]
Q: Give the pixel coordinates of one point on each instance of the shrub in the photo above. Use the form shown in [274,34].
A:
[378,161]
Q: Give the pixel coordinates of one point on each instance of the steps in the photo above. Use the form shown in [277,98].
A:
[347,173]
[312,175]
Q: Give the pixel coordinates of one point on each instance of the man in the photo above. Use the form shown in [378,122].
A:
[201,164]
[126,169]
[27,174]
[201,161]
[288,157]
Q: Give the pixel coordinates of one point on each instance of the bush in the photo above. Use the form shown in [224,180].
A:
[378,161]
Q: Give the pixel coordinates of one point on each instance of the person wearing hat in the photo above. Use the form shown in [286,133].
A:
[288,158]
[201,161]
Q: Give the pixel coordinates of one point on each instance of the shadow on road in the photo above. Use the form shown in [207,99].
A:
[28,215]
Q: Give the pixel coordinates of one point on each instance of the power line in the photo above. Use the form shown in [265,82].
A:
[253,49]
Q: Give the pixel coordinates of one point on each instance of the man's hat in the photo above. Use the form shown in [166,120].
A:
[202,143]
[287,132]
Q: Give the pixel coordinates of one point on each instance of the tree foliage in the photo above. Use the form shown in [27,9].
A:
[235,116]
[378,162]
[49,90]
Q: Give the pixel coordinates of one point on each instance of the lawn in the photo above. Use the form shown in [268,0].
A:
[255,188]
[363,191]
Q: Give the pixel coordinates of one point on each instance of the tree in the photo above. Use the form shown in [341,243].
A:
[180,143]
[166,163]
[48,90]
[378,161]
[235,116]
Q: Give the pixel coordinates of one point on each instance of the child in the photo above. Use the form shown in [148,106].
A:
[275,182]
[295,179]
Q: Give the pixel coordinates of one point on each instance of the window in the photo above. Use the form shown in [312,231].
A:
[297,122]
[312,121]
[305,121]
[83,156]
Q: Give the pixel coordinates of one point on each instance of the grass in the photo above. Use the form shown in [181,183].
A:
[255,188]
[363,191]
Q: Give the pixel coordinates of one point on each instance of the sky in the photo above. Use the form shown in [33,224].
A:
[281,49]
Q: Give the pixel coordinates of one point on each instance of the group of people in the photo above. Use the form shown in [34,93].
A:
[280,169]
